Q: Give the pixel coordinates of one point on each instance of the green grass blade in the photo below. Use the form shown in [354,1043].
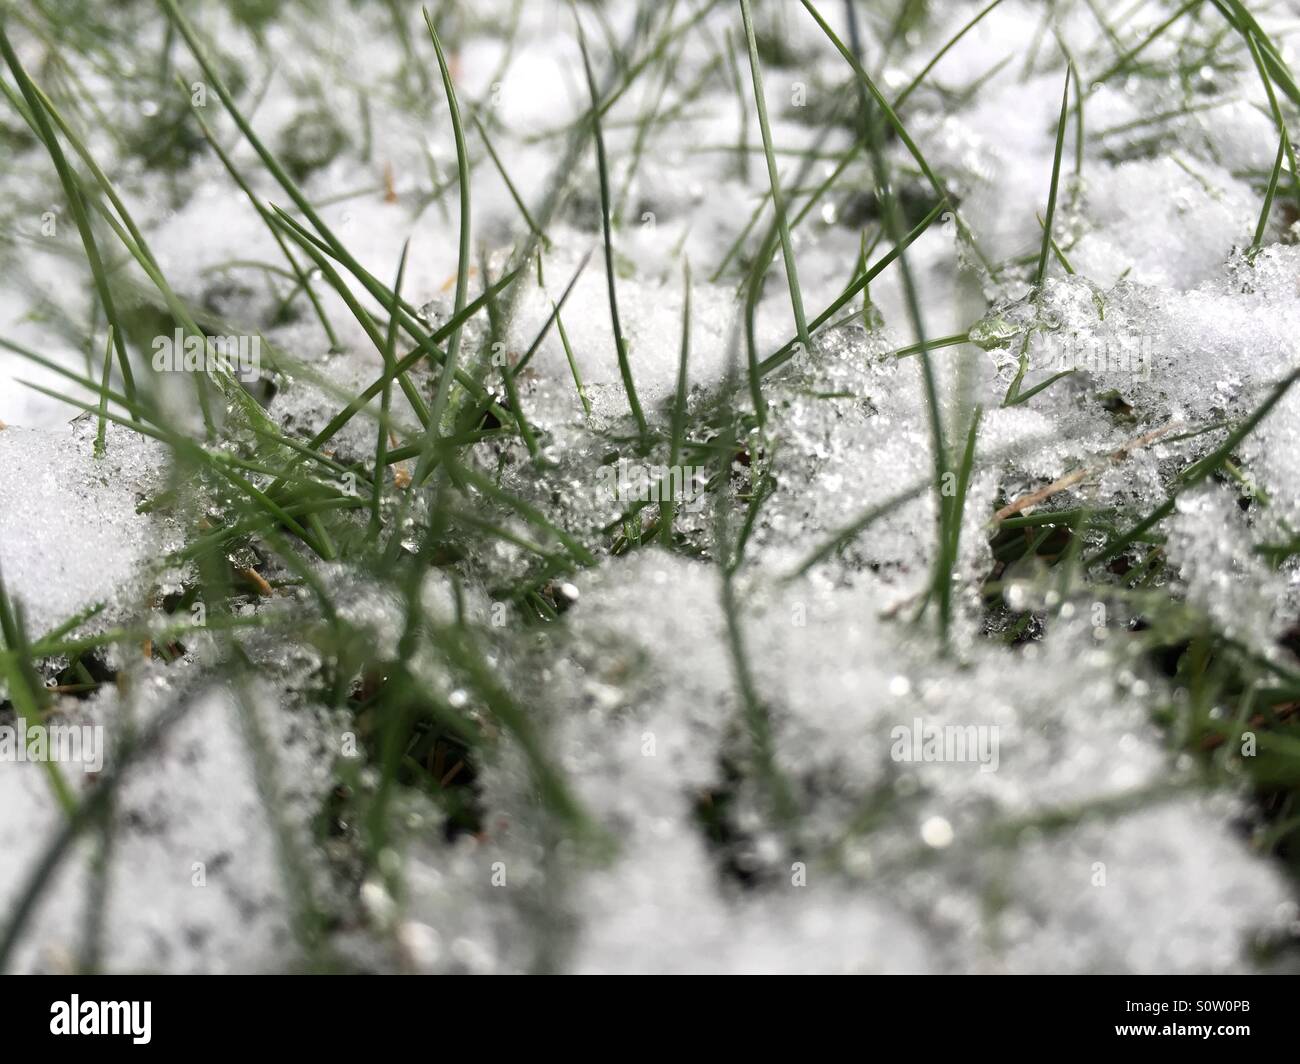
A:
[602,165]
[25,689]
[1282,148]
[778,206]
[76,203]
[1041,272]
[103,397]
[385,400]
[916,81]
[668,510]
[463,257]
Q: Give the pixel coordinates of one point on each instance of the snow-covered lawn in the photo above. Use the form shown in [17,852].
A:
[928,604]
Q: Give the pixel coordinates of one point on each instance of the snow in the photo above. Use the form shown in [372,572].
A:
[71,534]
[196,883]
[1092,847]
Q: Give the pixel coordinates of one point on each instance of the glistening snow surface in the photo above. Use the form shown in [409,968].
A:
[1092,847]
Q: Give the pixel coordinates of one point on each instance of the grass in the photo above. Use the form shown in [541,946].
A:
[463,256]
[778,206]
[1041,273]
[458,483]
[602,167]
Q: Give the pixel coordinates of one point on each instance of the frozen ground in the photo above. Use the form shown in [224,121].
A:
[510,724]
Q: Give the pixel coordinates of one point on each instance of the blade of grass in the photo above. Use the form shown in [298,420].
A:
[303,280]
[1269,193]
[1277,111]
[497,343]
[463,256]
[76,203]
[942,580]
[25,689]
[1195,473]
[1126,60]
[896,124]
[916,81]
[103,398]
[510,185]
[385,400]
[1041,272]
[602,166]
[778,206]
[668,510]
[786,352]
[573,363]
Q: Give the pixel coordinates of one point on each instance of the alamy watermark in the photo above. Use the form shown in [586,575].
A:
[971,743]
[63,743]
[132,1019]
[1130,355]
[625,481]
[240,356]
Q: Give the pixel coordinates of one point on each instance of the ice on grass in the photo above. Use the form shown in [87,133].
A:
[197,879]
[754,789]
[1064,858]
[72,536]
[1213,544]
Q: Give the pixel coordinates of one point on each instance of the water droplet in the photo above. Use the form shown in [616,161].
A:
[937,832]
